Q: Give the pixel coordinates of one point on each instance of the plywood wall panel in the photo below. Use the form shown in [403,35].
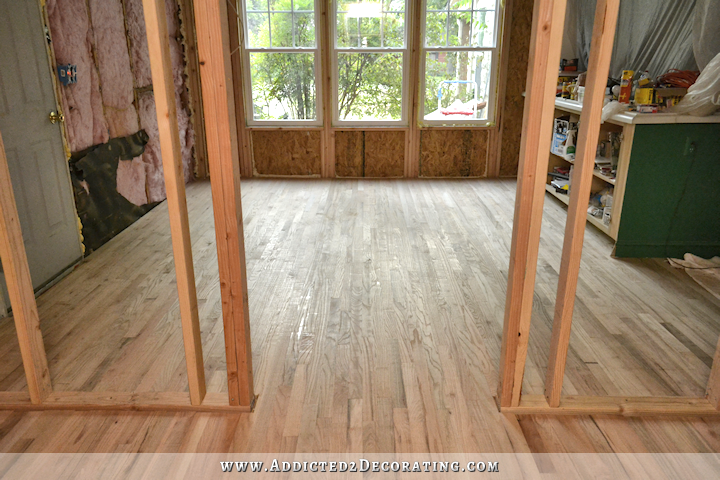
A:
[349,153]
[512,119]
[384,154]
[369,153]
[286,152]
[453,153]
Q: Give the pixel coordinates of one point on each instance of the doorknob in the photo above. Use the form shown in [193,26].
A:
[56,117]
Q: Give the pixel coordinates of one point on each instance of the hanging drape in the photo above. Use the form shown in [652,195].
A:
[706,31]
[652,35]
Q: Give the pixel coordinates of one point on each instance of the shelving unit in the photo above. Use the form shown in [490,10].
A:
[596,172]
[564,198]
[661,216]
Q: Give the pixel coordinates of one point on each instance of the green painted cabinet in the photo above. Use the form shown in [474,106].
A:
[671,203]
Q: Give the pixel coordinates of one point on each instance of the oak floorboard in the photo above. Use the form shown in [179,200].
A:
[376,314]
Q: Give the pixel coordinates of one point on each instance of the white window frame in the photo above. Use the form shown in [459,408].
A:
[492,95]
[246,51]
[335,55]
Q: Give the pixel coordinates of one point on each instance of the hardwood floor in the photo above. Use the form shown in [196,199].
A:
[376,310]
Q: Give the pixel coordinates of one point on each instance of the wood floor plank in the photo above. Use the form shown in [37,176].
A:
[385,300]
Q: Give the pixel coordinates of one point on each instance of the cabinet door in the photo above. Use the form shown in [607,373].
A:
[671,199]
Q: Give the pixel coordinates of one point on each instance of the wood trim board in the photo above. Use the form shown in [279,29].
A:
[120,401]
[613,405]
[168,130]
[220,123]
[20,289]
[606,15]
[545,44]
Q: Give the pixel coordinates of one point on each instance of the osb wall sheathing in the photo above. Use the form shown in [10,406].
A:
[369,154]
[286,152]
[453,153]
[512,118]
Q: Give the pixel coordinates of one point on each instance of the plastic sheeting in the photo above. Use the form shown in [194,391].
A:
[706,31]
[652,35]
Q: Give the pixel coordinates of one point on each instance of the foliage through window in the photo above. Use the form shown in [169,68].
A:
[460,46]
[282,54]
[370,54]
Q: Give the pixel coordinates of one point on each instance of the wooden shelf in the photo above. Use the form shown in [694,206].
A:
[564,198]
[596,172]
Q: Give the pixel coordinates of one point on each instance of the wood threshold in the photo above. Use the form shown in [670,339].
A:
[121,401]
[624,406]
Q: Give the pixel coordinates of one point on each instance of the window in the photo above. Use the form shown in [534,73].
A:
[460,52]
[282,61]
[369,61]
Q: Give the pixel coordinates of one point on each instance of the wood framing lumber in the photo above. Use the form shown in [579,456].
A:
[164,89]
[220,125]
[713,387]
[493,167]
[193,83]
[545,43]
[145,401]
[603,37]
[244,150]
[607,405]
[327,164]
[412,149]
[20,289]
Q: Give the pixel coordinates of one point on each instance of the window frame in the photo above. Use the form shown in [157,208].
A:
[334,73]
[247,72]
[494,64]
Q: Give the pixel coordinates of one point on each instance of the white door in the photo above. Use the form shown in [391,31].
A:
[33,145]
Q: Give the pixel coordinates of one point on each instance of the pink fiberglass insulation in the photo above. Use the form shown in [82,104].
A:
[138,43]
[113,60]
[131,181]
[72,41]
[152,157]
[122,123]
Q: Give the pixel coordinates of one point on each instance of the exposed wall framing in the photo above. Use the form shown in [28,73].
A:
[547,27]
[211,18]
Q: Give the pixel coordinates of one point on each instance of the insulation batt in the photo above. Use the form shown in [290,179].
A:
[72,41]
[113,61]
[152,157]
[131,181]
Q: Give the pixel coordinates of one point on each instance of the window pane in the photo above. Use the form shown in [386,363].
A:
[347,31]
[370,24]
[304,29]
[457,85]
[437,4]
[370,32]
[394,5]
[281,29]
[394,30]
[280,5]
[483,29]
[304,5]
[283,86]
[370,86]
[251,5]
[460,29]
[484,4]
[258,30]
[435,29]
